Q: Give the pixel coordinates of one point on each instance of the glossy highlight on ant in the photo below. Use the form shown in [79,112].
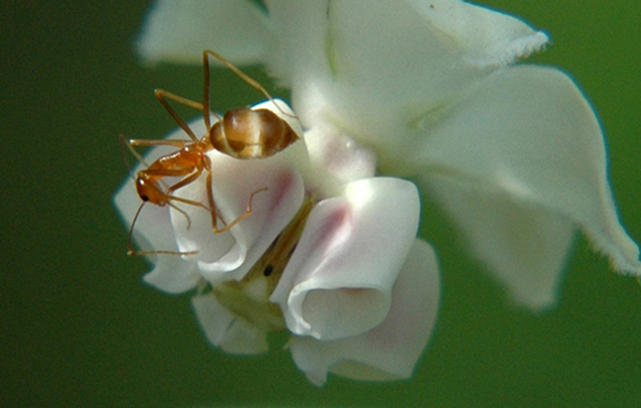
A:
[241,133]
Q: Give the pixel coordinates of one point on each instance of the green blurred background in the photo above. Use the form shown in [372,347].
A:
[79,328]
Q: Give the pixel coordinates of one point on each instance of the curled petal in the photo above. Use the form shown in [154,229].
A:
[193,225]
[338,282]
[529,132]
[226,331]
[390,350]
[234,182]
[179,31]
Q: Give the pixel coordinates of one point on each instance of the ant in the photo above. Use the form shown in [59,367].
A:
[241,133]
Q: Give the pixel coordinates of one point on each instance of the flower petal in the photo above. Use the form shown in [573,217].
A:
[339,155]
[224,330]
[343,63]
[172,274]
[179,31]
[530,132]
[234,181]
[338,282]
[486,37]
[299,29]
[390,350]
[524,245]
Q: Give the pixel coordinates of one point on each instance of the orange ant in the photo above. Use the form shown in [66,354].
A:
[242,133]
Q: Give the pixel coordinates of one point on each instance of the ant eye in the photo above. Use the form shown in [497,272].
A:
[144,198]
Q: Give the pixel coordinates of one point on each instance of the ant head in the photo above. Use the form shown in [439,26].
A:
[148,191]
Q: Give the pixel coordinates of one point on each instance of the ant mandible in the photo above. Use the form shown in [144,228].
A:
[242,133]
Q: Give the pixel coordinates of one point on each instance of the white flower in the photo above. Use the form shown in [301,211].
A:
[329,253]
[514,152]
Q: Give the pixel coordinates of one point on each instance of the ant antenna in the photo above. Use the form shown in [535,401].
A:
[182,212]
[132,252]
[123,143]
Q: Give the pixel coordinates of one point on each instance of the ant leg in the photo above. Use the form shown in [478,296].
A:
[206,92]
[212,204]
[214,210]
[207,84]
[178,98]
[160,142]
[132,252]
[246,213]
[181,183]
[162,97]
[127,142]
[144,253]
[182,212]
[130,143]
[251,82]
[187,180]
[186,201]
[239,218]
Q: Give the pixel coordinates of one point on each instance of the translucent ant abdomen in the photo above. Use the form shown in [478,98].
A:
[244,133]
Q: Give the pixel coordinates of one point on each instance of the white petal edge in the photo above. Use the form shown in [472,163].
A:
[391,350]
[179,31]
[226,331]
[487,37]
[524,246]
[338,282]
[529,131]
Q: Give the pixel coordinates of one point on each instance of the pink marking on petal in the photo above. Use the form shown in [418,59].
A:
[286,182]
[336,231]
[283,184]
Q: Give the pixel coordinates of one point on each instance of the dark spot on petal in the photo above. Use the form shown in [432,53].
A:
[268,270]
